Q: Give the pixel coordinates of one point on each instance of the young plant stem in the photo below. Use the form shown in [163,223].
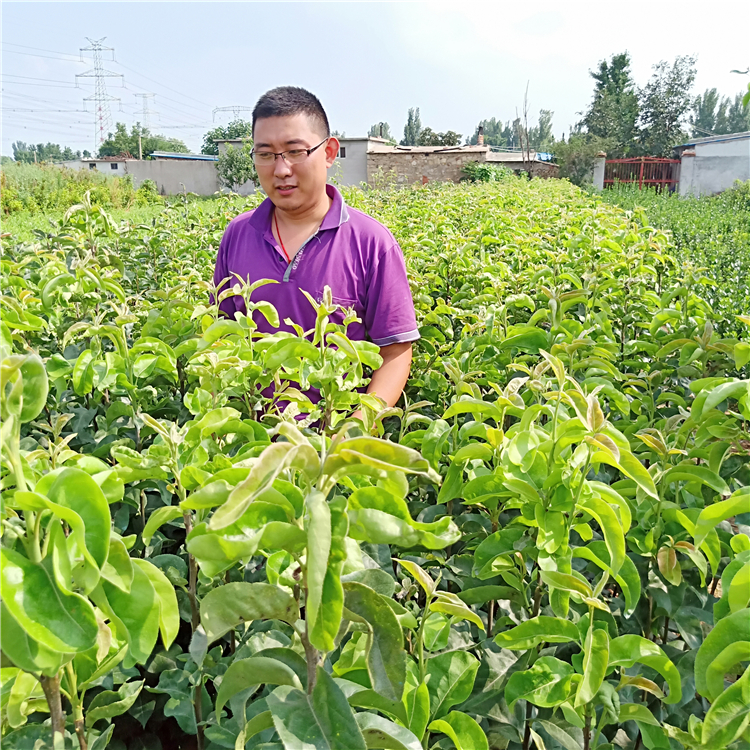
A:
[77,705]
[51,689]
[198,708]
[192,578]
[420,640]
[587,731]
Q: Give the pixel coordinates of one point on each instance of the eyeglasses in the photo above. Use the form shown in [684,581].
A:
[293,156]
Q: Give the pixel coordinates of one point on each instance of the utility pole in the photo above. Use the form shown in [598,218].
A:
[100,97]
[145,120]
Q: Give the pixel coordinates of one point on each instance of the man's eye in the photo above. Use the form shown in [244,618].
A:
[263,155]
[295,152]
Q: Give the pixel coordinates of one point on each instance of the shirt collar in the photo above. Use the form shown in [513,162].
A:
[337,215]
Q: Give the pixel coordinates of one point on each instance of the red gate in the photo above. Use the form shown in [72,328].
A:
[645,170]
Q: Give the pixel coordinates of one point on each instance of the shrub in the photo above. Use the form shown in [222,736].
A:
[477,171]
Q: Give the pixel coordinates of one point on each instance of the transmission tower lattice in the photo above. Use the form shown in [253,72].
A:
[146,112]
[100,97]
[235,110]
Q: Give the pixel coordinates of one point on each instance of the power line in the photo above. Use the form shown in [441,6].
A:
[122,65]
[38,49]
[47,57]
[33,78]
[235,110]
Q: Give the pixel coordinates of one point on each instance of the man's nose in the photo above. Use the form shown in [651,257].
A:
[281,168]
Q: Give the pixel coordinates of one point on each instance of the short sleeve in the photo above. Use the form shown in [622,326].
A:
[389,308]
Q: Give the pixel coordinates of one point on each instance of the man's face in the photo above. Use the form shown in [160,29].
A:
[294,187]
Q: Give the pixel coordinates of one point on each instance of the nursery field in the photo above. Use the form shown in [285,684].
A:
[545,546]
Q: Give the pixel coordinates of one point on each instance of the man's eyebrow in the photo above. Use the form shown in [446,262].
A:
[291,142]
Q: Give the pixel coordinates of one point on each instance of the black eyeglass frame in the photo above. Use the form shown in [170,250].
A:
[253,153]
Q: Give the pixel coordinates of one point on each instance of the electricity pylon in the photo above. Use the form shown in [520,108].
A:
[100,97]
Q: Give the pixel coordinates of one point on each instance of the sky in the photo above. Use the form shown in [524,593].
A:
[368,62]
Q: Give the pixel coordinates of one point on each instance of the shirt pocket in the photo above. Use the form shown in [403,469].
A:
[343,302]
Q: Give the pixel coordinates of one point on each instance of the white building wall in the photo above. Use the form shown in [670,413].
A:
[350,169]
[718,165]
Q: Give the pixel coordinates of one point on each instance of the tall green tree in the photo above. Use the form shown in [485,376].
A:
[236,129]
[412,129]
[613,113]
[703,118]
[428,137]
[665,102]
[381,130]
[494,134]
[235,167]
[540,135]
[735,117]
[122,142]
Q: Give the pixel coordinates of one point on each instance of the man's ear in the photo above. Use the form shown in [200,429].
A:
[332,150]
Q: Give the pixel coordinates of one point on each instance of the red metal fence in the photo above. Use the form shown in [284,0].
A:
[645,170]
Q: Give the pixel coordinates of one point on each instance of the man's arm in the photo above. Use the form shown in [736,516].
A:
[389,379]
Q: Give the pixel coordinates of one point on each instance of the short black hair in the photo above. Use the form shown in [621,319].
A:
[284,101]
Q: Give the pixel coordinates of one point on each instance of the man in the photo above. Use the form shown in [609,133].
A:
[305,237]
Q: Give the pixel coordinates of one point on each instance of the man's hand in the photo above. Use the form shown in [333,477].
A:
[389,379]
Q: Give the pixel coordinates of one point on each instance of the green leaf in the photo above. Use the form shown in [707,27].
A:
[627,579]
[198,646]
[546,684]
[318,549]
[566,582]
[614,534]
[631,467]
[35,387]
[627,650]
[108,704]
[58,620]
[714,396]
[267,467]
[637,712]
[256,670]
[256,725]
[378,527]
[739,589]
[417,702]
[24,651]
[714,514]
[374,578]
[500,543]
[158,518]
[688,472]
[322,720]
[451,604]
[118,569]
[382,733]
[76,490]
[135,614]
[464,731]
[169,614]
[538,630]
[224,608]
[286,350]
[729,714]
[382,454]
[595,662]
[450,678]
[386,659]
[718,652]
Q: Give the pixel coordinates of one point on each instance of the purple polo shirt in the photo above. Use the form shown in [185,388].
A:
[352,253]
